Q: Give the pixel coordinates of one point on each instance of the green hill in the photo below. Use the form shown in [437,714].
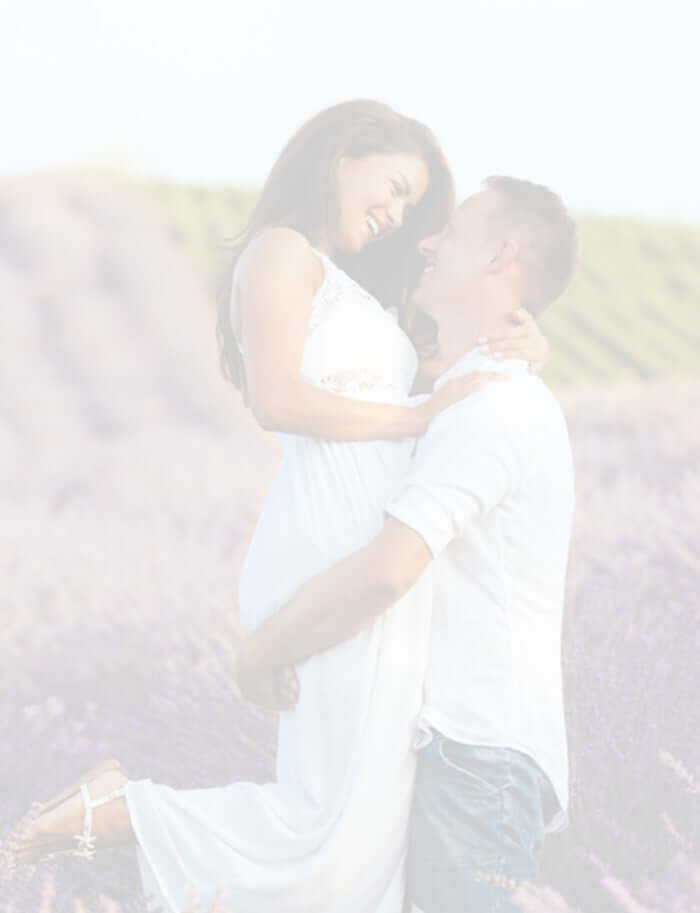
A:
[633,311]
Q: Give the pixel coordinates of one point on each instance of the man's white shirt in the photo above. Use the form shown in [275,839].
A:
[491,492]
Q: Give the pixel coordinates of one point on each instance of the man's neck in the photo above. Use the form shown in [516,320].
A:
[459,333]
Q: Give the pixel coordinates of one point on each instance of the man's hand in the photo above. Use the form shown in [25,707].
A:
[275,689]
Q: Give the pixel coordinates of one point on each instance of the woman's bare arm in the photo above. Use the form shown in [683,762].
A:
[277,279]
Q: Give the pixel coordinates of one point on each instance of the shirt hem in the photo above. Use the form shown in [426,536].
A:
[559,821]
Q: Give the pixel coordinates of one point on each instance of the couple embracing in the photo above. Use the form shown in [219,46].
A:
[404,584]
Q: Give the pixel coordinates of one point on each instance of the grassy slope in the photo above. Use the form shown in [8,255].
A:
[633,311]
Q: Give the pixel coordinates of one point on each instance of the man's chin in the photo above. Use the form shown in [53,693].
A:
[420,300]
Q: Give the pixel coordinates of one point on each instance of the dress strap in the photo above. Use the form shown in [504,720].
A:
[319,252]
[325,260]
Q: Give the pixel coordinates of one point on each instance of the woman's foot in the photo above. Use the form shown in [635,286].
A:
[58,823]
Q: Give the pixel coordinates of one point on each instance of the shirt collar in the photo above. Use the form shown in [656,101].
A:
[474,360]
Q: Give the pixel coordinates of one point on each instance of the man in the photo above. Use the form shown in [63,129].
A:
[490,502]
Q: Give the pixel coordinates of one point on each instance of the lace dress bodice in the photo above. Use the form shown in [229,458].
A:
[354,346]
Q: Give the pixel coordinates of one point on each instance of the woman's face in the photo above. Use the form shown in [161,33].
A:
[374,193]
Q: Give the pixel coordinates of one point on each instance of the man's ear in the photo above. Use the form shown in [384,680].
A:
[505,254]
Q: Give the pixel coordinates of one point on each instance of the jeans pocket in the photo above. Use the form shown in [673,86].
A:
[484,768]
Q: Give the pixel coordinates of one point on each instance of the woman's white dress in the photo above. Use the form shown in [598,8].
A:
[330,835]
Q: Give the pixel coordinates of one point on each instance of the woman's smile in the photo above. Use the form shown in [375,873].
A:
[373,224]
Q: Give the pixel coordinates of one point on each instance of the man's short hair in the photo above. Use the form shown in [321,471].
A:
[547,237]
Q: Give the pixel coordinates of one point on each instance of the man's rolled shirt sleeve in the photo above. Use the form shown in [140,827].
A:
[463,467]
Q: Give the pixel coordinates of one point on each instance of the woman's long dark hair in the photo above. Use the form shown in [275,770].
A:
[300,193]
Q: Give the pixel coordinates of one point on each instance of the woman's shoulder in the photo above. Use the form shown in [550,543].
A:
[284,250]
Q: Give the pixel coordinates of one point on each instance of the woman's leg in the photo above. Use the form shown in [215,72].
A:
[60,819]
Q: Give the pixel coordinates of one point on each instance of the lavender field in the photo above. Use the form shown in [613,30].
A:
[131,478]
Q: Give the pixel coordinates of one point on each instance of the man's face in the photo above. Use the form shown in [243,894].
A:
[459,258]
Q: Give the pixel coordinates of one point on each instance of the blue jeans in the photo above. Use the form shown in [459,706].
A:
[477,824]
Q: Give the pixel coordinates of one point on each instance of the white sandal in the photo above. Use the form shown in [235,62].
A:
[86,840]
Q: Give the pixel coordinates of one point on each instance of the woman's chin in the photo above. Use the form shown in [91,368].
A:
[365,241]
[353,244]
[365,237]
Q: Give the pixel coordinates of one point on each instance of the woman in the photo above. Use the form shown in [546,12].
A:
[323,364]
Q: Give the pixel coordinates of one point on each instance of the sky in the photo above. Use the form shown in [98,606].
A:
[596,99]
